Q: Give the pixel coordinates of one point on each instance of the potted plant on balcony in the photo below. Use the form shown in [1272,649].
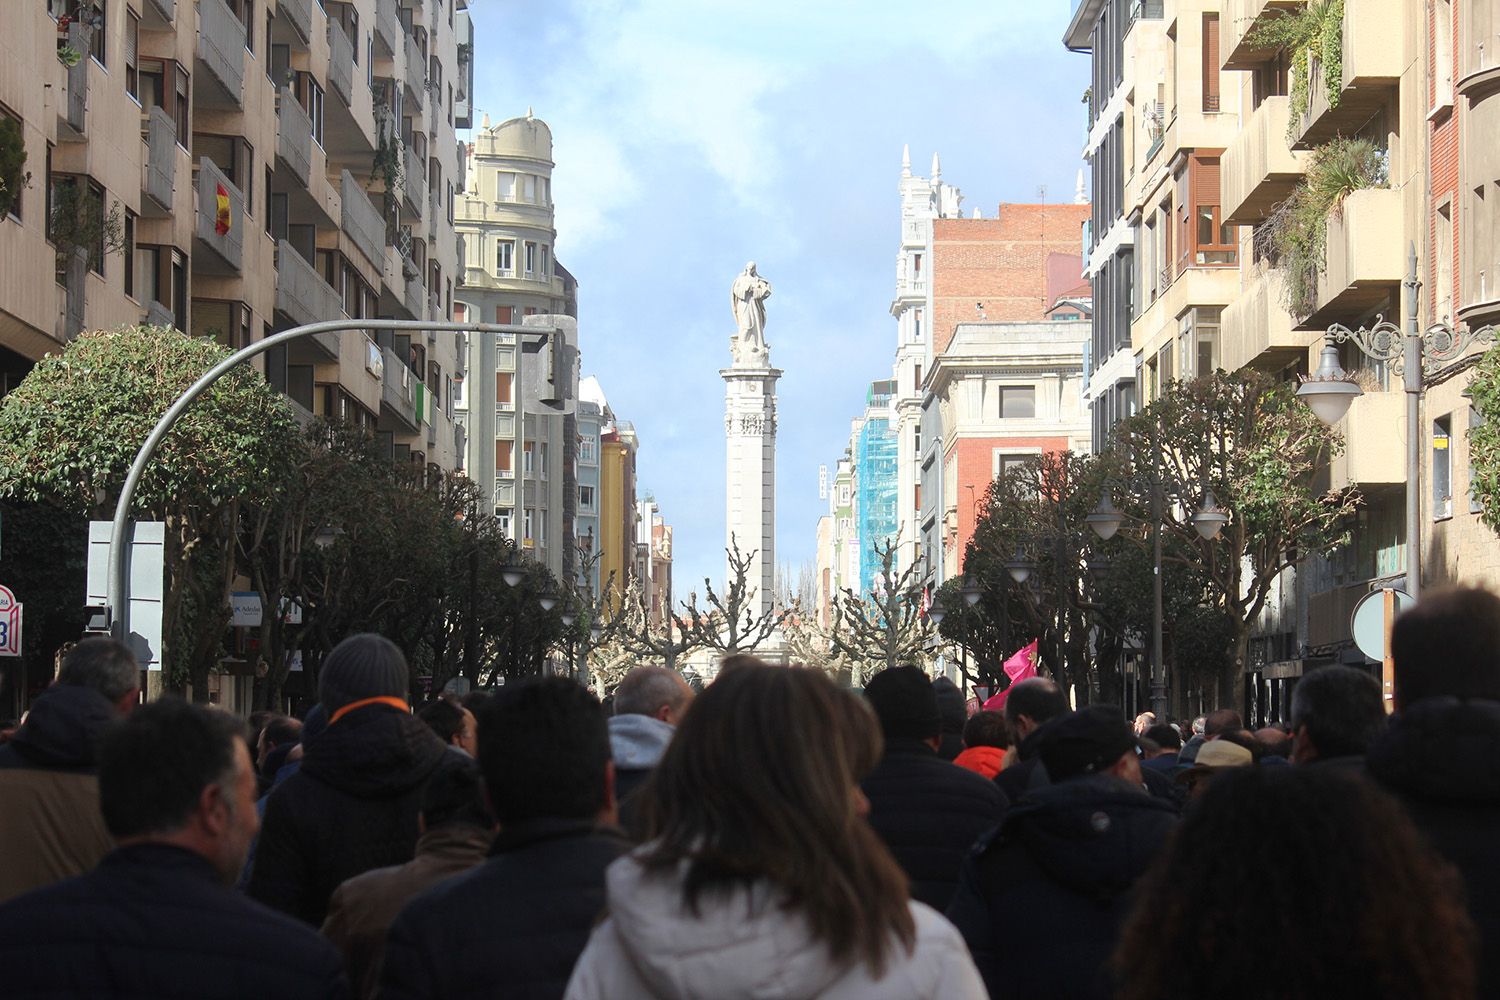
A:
[14,177]
[80,226]
[1313,35]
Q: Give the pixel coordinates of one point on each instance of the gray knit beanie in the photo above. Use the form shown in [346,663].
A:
[362,666]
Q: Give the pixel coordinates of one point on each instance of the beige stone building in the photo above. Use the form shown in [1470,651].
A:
[255,164]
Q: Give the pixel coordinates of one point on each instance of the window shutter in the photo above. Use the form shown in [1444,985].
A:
[1210,62]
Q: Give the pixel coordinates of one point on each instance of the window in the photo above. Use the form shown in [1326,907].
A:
[502,515]
[312,103]
[505,314]
[132,55]
[528,458]
[1442,53]
[546,264]
[1197,339]
[916,267]
[505,260]
[526,522]
[1017,402]
[1442,469]
[529,188]
[586,497]
[503,452]
[1442,294]
[586,449]
[1005,463]
[503,386]
[530,259]
[1211,63]
[505,187]
[180,104]
[179,289]
[916,325]
[843,496]
[15,202]
[541,459]
[129,253]
[96,13]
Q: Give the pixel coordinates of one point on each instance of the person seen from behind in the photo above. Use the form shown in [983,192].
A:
[457,829]
[954,713]
[649,703]
[1438,754]
[1337,715]
[1043,897]
[1029,706]
[353,804]
[759,877]
[453,724]
[515,925]
[158,918]
[928,811]
[986,739]
[50,824]
[1334,895]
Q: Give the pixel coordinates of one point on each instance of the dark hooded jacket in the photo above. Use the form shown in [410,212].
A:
[1042,899]
[1441,757]
[352,806]
[1027,772]
[50,824]
[929,812]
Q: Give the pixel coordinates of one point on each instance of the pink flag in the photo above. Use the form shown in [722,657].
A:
[1017,668]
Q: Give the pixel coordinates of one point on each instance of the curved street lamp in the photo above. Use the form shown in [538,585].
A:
[513,573]
[1211,518]
[1019,567]
[1329,391]
[1105,518]
[971,591]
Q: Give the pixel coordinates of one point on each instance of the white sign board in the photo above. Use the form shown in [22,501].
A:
[244,609]
[291,611]
[145,575]
[10,623]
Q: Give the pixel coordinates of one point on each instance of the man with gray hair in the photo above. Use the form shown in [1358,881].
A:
[648,705]
[49,788]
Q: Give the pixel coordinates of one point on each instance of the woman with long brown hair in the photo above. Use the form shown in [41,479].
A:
[1295,882]
[760,876]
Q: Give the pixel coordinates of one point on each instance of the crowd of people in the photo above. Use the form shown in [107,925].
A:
[773,836]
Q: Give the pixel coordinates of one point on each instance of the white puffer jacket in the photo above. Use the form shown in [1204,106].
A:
[743,946]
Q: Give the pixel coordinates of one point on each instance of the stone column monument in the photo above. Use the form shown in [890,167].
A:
[750,435]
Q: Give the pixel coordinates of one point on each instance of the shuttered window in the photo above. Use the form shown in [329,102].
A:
[1211,62]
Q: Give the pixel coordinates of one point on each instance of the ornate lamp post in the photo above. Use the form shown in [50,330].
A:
[1331,390]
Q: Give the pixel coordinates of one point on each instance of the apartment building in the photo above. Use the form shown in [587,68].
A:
[519,393]
[838,543]
[923,199]
[232,152]
[592,410]
[873,446]
[654,561]
[619,527]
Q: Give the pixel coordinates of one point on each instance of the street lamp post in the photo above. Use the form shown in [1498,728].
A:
[116,585]
[1413,354]
[1208,521]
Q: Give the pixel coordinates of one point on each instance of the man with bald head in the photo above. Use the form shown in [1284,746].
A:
[648,704]
[1030,703]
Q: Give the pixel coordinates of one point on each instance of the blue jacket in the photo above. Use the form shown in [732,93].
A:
[155,922]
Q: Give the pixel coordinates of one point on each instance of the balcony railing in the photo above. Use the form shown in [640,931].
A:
[414,180]
[298,13]
[161,13]
[387,26]
[220,215]
[159,134]
[293,135]
[340,62]
[75,107]
[396,389]
[361,220]
[221,48]
[304,297]
[415,73]
[1259,171]
[1147,10]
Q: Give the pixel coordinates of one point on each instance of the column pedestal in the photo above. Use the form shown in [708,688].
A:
[750,452]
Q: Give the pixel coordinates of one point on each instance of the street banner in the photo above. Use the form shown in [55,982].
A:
[1018,668]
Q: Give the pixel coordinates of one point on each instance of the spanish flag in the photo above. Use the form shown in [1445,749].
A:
[221,217]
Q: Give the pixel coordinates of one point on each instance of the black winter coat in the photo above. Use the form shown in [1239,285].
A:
[514,926]
[1027,772]
[1042,900]
[1441,758]
[154,922]
[351,807]
[929,813]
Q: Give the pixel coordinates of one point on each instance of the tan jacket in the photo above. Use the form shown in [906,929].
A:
[50,828]
[363,908]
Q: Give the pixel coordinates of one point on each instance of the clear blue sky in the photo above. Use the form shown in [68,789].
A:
[693,135]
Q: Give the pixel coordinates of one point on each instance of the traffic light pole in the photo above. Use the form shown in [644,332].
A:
[117,606]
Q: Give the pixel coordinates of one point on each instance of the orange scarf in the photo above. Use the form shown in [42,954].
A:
[381,700]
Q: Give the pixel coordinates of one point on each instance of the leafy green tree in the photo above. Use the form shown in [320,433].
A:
[1258,449]
[70,430]
[1484,437]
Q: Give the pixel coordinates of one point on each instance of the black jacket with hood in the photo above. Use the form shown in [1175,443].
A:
[1042,899]
[352,806]
[1441,758]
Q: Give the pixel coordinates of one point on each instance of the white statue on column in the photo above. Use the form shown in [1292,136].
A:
[747,297]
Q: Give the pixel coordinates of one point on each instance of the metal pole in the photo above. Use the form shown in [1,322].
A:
[1158,668]
[1412,383]
[117,586]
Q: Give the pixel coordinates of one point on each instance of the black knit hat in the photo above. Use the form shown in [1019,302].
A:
[1084,742]
[362,666]
[905,704]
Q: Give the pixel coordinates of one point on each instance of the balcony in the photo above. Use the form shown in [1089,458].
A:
[157,314]
[1374,433]
[298,14]
[360,220]
[398,392]
[293,135]
[159,167]
[1366,257]
[220,227]
[1240,18]
[1259,171]
[413,181]
[302,296]
[72,116]
[412,295]
[221,56]
[415,73]
[1256,328]
[387,27]
[1373,58]
[340,63]
[71,316]
[435,213]
[160,13]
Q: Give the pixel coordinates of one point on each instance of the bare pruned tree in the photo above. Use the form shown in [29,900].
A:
[884,627]
[734,622]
